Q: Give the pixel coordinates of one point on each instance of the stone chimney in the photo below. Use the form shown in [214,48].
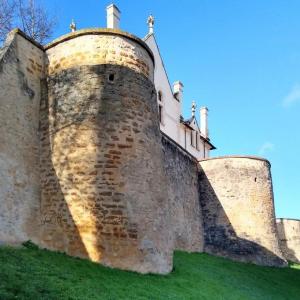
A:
[113,16]
[178,90]
[203,121]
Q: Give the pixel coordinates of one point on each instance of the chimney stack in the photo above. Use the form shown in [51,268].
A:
[113,16]
[203,121]
[178,90]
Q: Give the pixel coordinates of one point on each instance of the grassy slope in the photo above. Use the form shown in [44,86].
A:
[41,274]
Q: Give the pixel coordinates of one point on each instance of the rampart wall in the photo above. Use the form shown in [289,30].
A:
[289,238]
[84,168]
[182,186]
[237,203]
[21,71]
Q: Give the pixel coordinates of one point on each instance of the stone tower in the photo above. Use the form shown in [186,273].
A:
[103,182]
[236,196]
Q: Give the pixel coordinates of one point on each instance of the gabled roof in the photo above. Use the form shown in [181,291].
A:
[187,122]
[191,122]
[145,39]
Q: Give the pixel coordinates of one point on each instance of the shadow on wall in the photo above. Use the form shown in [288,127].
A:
[81,214]
[220,237]
[58,230]
[283,235]
[100,157]
[183,195]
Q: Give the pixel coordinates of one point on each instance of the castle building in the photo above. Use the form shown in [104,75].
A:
[189,134]
[97,161]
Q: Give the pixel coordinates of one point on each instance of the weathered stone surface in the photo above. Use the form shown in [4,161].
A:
[21,70]
[103,46]
[289,238]
[182,185]
[103,183]
[237,203]
[84,168]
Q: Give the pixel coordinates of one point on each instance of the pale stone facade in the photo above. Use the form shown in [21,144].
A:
[87,167]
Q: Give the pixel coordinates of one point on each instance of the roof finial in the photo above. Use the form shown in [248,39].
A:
[193,108]
[150,22]
[73,26]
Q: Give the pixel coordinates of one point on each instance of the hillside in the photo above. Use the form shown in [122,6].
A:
[30,273]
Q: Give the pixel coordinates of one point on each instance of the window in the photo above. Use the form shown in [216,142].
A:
[195,139]
[160,113]
[159,96]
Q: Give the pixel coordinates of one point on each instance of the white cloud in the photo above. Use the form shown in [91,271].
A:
[292,97]
[266,147]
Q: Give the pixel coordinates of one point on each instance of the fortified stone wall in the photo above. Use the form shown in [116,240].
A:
[237,203]
[182,185]
[289,238]
[21,71]
[84,168]
[103,183]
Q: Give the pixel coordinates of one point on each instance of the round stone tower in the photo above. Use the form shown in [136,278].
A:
[103,183]
[236,196]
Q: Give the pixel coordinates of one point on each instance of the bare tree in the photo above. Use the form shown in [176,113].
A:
[6,18]
[30,16]
[35,20]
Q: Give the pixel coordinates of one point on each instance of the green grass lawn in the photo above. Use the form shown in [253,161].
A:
[40,274]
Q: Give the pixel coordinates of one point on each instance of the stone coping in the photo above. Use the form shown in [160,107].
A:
[25,36]
[289,219]
[236,156]
[88,31]
[99,31]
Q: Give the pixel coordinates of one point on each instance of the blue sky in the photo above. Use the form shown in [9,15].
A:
[239,58]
